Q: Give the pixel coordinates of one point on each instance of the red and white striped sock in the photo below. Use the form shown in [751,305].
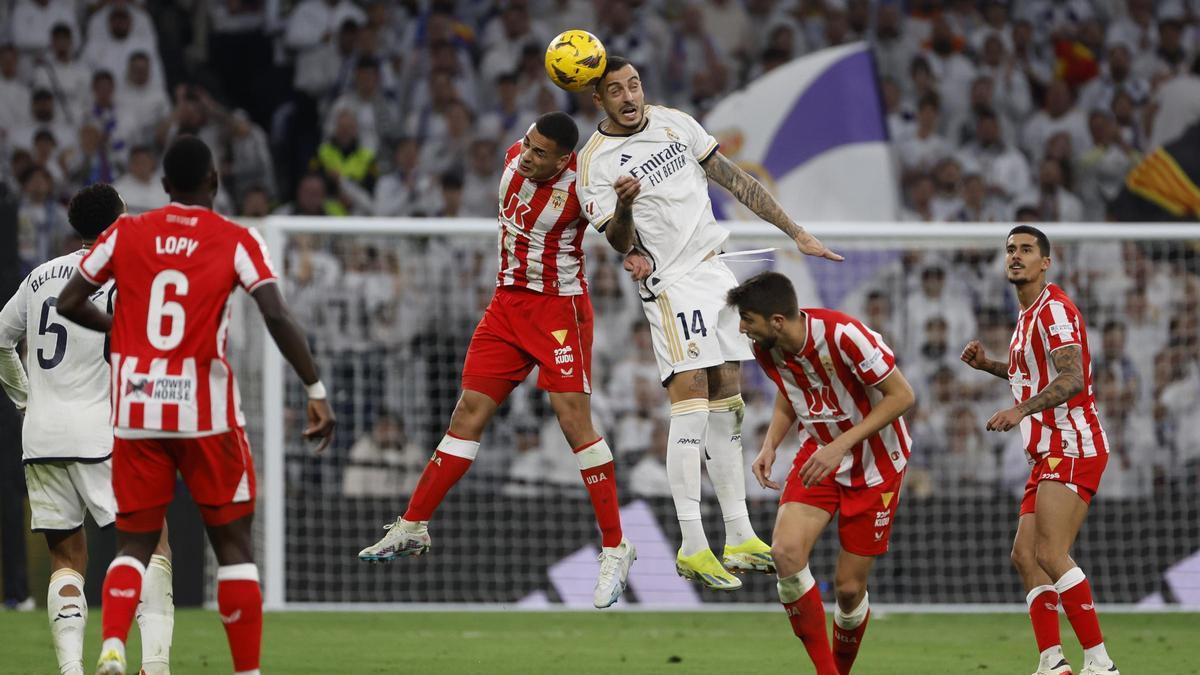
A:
[600,477]
[122,591]
[239,601]
[450,462]
[801,600]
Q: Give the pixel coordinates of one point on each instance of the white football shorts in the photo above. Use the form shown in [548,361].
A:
[690,324]
[61,493]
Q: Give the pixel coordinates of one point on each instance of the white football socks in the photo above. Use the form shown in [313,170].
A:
[156,616]
[723,455]
[68,619]
[685,438]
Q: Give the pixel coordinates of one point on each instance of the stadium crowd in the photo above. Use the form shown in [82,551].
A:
[998,111]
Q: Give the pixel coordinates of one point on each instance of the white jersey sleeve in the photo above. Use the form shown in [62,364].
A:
[701,143]
[13,320]
[594,185]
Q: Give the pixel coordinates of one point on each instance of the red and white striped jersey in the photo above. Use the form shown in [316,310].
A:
[541,231]
[1073,428]
[831,386]
[175,270]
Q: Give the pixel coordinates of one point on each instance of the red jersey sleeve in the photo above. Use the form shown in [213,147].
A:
[513,151]
[864,352]
[1059,324]
[252,261]
[97,265]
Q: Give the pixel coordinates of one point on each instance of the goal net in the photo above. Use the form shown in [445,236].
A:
[389,306]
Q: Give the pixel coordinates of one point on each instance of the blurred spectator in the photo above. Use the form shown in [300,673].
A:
[1176,107]
[311,199]
[349,168]
[256,203]
[1031,56]
[935,298]
[648,478]
[921,150]
[102,113]
[407,188]
[1117,76]
[1057,114]
[1135,457]
[378,116]
[43,116]
[15,97]
[920,199]
[60,71]
[451,194]
[247,157]
[41,221]
[141,187]
[1055,203]
[977,205]
[32,21]
[383,463]
[1100,170]
[698,63]
[947,181]
[141,25]
[144,106]
[89,161]
[953,71]
[482,176]
[962,461]
[894,47]
[448,151]
[326,55]
[506,36]
[1013,96]
[110,47]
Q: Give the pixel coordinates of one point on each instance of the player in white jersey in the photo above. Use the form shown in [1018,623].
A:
[643,181]
[68,439]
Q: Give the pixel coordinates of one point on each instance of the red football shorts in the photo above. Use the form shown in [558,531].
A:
[865,514]
[1081,474]
[218,470]
[521,329]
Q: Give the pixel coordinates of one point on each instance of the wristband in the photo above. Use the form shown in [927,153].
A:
[316,390]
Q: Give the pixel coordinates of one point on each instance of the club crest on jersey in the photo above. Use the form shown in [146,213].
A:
[160,389]
[558,199]
[693,351]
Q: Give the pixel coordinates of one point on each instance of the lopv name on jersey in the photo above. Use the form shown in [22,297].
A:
[173,245]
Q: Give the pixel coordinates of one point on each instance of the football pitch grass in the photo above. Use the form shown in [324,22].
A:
[616,643]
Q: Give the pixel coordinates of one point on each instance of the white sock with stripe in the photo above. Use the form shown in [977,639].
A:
[689,419]
[726,470]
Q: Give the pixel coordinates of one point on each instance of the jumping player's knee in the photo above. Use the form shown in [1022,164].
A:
[1023,559]
[1052,560]
[476,406]
[849,591]
[232,542]
[574,417]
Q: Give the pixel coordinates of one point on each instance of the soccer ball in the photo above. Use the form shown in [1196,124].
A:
[575,59]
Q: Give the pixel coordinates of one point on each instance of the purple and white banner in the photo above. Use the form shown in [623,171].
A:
[814,131]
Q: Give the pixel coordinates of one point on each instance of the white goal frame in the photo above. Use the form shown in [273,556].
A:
[839,235]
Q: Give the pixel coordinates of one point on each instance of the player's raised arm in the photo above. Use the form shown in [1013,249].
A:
[973,355]
[292,343]
[73,304]
[620,228]
[897,398]
[758,199]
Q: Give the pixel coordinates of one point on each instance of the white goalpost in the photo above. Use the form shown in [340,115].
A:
[390,303]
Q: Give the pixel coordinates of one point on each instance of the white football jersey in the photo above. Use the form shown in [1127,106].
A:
[672,215]
[67,413]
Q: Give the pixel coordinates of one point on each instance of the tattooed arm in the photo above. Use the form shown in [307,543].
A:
[620,227]
[750,192]
[1068,362]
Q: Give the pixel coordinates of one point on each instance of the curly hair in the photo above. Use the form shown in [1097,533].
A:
[94,208]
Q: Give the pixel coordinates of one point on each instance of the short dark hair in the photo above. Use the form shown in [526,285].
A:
[1042,240]
[767,293]
[560,128]
[60,28]
[613,64]
[187,164]
[93,209]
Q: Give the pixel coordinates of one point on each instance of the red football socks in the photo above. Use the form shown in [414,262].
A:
[1043,612]
[1075,593]
[599,475]
[122,591]
[239,601]
[450,463]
